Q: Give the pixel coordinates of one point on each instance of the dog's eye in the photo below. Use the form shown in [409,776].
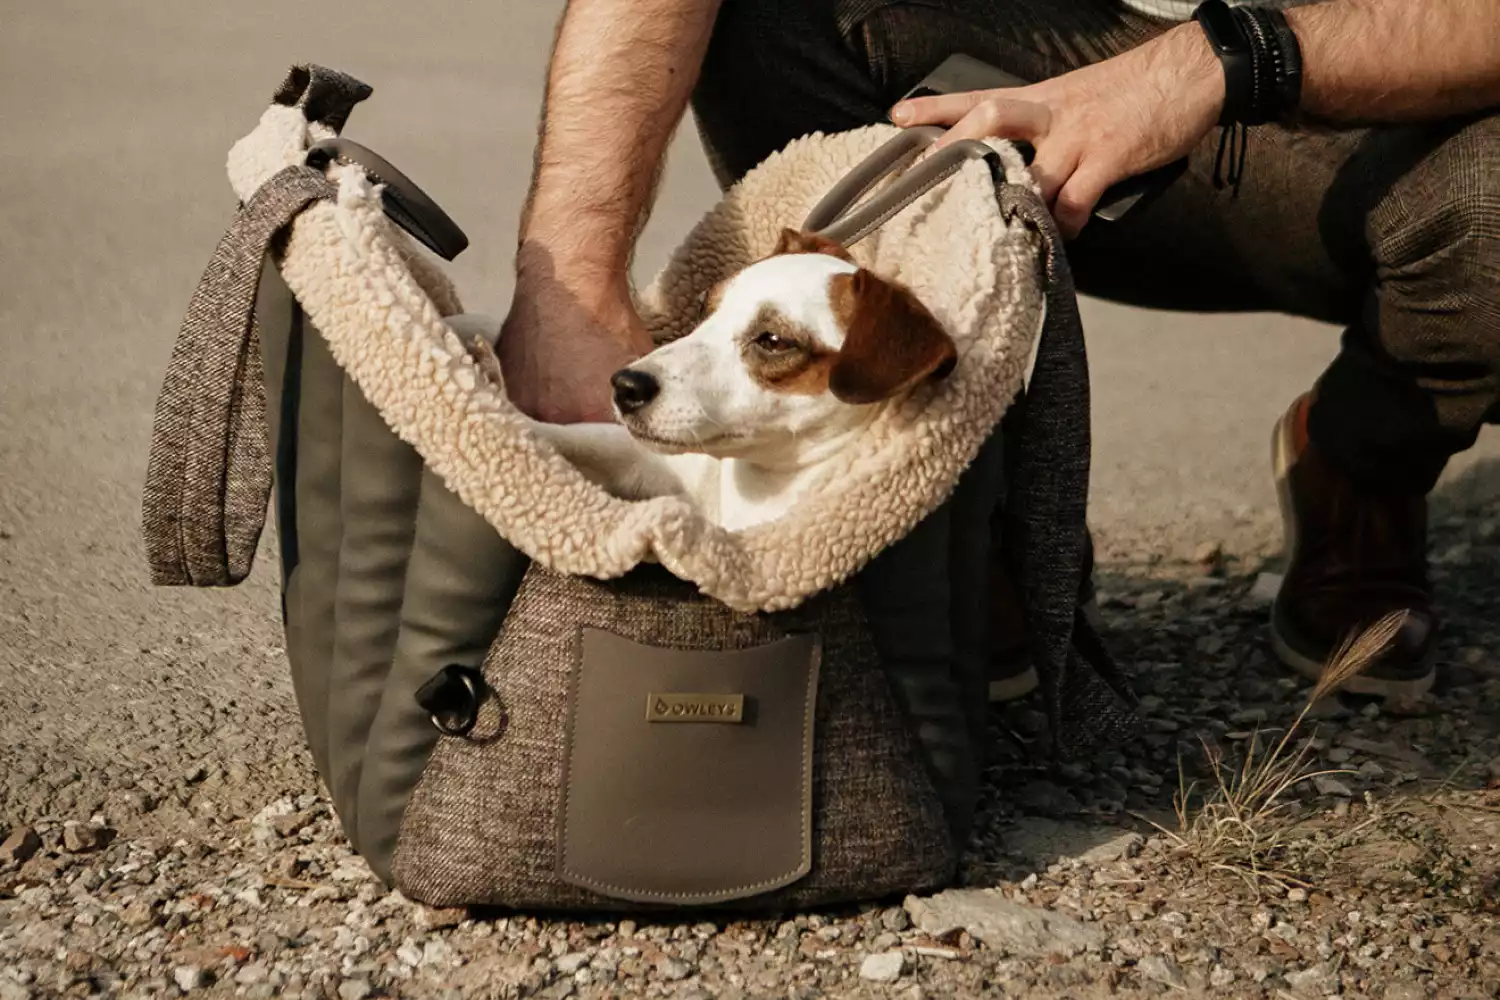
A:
[774,343]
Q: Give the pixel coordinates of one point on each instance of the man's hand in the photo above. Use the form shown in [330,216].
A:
[563,340]
[1096,126]
[617,86]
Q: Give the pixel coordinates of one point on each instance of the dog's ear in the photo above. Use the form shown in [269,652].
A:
[793,241]
[891,341]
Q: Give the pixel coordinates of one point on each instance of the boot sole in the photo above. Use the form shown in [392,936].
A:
[1285,642]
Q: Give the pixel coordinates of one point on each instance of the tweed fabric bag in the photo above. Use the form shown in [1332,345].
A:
[523,691]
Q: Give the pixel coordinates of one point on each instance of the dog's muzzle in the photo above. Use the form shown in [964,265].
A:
[633,389]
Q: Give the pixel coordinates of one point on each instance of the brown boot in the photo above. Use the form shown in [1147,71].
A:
[1353,558]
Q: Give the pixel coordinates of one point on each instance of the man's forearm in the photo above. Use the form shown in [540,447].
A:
[1375,61]
[620,79]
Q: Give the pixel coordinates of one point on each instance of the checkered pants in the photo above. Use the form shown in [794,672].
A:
[1392,233]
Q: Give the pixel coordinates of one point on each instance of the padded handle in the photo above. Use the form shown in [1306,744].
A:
[833,218]
[406,204]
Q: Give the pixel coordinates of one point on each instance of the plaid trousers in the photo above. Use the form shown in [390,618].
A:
[1392,232]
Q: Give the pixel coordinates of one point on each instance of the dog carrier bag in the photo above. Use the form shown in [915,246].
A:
[523,691]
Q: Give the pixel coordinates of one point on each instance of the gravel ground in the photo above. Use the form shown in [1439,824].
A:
[222,872]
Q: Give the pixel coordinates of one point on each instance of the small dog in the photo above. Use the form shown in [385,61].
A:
[792,359]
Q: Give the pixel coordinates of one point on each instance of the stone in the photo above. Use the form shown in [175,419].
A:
[673,969]
[1404,989]
[885,967]
[20,846]
[571,962]
[1266,587]
[191,977]
[354,989]
[1332,786]
[1319,979]
[1160,969]
[433,918]
[81,838]
[1047,799]
[897,920]
[999,923]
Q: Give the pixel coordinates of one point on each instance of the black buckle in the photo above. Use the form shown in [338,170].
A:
[451,699]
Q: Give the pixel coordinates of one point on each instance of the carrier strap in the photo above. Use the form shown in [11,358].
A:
[1045,539]
[208,480]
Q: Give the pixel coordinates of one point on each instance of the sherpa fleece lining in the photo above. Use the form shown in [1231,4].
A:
[380,306]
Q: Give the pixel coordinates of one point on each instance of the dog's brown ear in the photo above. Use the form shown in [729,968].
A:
[793,241]
[891,341]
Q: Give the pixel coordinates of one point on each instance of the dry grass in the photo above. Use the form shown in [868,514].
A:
[1247,822]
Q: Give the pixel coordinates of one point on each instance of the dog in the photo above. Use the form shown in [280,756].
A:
[792,358]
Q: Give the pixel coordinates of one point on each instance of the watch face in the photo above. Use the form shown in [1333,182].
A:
[1220,27]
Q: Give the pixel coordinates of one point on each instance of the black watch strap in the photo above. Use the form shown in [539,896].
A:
[1232,46]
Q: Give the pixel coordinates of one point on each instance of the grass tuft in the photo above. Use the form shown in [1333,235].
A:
[1246,822]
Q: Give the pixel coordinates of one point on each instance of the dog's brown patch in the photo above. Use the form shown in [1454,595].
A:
[891,341]
[803,367]
[792,241]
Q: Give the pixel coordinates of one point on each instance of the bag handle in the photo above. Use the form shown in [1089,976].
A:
[1047,495]
[834,217]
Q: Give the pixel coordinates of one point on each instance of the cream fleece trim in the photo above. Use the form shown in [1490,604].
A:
[380,306]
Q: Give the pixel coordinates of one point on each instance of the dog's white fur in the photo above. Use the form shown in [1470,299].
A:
[741,450]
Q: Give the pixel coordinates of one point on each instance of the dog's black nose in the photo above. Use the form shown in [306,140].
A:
[633,389]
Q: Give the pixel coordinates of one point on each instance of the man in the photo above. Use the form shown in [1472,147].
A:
[1387,222]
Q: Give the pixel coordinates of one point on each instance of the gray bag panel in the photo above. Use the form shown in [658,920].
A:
[382,485]
[459,584]
[388,578]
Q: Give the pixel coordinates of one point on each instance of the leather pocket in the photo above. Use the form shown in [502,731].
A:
[688,773]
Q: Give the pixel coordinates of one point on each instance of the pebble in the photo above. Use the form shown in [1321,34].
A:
[354,989]
[1327,785]
[571,962]
[886,967]
[1000,923]
[191,977]
[673,969]
[81,838]
[20,846]
[1161,969]
[896,919]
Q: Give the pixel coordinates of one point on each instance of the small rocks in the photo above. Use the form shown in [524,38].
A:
[1250,717]
[354,989]
[571,962]
[1046,799]
[81,838]
[1006,926]
[895,919]
[1327,785]
[673,969]
[191,977]
[886,967]
[20,846]
[1161,969]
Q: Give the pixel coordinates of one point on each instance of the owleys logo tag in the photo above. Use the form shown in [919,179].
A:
[728,708]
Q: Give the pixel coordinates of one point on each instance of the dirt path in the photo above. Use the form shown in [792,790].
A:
[168,717]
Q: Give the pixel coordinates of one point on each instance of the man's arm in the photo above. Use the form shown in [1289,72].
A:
[619,82]
[1388,61]
[1364,61]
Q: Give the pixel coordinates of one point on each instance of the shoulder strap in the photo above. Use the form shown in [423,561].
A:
[1047,503]
[208,479]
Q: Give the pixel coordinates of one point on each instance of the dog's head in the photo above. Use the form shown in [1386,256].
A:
[794,349]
